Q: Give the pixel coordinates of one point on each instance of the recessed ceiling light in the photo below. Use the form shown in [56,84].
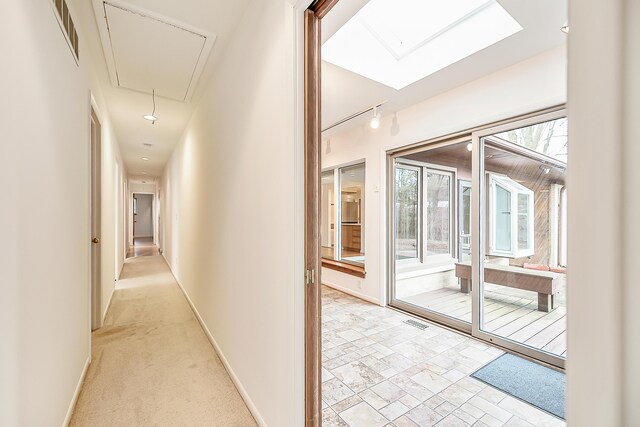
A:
[545,169]
[145,159]
[398,46]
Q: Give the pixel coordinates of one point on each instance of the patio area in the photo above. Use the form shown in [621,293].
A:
[508,313]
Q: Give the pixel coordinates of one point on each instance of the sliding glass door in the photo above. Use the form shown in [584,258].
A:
[478,234]
[426,239]
[522,220]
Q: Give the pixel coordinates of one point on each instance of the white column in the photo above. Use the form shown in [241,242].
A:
[603,345]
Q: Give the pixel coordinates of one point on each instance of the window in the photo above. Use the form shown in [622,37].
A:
[438,207]
[510,218]
[327,207]
[342,211]
[407,211]
[423,211]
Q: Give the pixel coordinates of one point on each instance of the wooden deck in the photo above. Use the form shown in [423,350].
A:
[507,314]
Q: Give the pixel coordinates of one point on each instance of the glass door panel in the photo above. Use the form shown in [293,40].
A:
[428,212]
[523,293]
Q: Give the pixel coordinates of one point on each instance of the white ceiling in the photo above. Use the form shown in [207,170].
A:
[155,66]
[146,51]
[345,93]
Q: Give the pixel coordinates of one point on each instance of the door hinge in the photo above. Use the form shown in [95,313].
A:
[310,276]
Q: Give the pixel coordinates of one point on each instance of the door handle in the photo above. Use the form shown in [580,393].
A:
[95,240]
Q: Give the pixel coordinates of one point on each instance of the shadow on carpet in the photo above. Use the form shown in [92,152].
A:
[528,381]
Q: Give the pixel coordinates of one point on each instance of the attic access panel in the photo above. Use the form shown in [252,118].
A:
[146,51]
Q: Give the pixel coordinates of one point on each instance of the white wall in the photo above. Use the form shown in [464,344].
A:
[144,218]
[113,202]
[45,239]
[44,256]
[603,367]
[113,245]
[531,85]
[138,187]
[231,192]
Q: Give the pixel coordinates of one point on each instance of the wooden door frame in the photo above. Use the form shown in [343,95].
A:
[312,173]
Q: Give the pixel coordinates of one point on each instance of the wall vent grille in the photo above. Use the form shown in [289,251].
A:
[67,26]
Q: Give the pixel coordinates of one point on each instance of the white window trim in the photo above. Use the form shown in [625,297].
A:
[430,261]
[451,173]
[337,196]
[514,188]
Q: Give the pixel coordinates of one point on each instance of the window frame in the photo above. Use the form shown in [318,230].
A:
[451,173]
[515,189]
[424,167]
[337,214]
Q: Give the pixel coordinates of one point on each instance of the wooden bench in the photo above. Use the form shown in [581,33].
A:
[545,283]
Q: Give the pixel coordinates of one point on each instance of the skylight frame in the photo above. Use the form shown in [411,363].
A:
[360,48]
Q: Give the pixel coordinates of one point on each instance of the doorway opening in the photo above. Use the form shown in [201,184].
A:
[415,222]
[143,231]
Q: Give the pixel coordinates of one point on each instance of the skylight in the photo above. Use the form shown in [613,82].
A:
[398,42]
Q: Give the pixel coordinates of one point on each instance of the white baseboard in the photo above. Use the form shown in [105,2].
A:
[121,267]
[106,309]
[243,393]
[76,394]
[351,292]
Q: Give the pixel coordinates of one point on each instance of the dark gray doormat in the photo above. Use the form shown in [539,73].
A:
[528,381]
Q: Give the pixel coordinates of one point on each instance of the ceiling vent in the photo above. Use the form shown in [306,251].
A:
[146,51]
[67,26]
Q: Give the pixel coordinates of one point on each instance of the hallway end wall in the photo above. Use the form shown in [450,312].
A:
[231,191]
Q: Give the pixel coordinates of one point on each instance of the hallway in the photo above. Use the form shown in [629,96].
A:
[142,246]
[216,109]
[151,361]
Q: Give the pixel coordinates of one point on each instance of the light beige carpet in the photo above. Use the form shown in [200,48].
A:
[152,363]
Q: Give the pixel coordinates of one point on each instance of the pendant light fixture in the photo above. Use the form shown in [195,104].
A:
[375,120]
[152,117]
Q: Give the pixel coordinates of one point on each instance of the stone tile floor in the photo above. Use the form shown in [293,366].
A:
[380,372]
